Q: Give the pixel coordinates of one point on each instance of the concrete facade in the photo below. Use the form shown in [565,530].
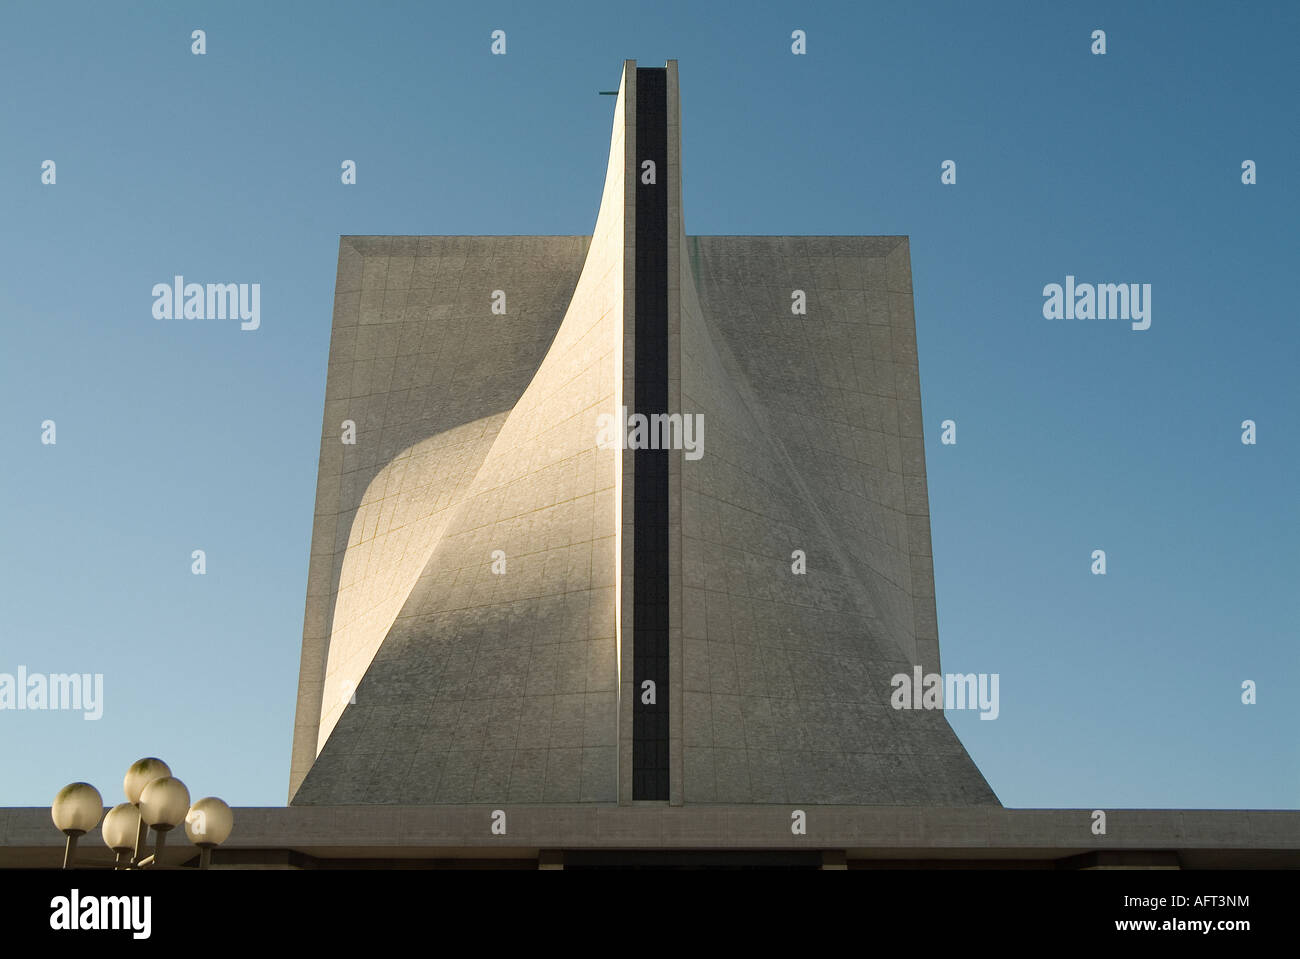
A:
[814,444]
[409,335]
[429,676]
[542,836]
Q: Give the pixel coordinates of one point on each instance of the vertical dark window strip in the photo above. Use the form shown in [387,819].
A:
[650,467]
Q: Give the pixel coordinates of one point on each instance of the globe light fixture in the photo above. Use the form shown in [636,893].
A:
[163,804]
[141,774]
[208,824]
[156,800]
[76,810]
[122,830]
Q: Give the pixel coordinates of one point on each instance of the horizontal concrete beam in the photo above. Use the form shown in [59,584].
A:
[862,831]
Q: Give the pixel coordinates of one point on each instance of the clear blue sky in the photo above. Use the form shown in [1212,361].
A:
[1116,691]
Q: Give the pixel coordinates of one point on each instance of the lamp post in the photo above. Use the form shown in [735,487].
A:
[122,832]
[141,774]
[155,800]
[163,804]
[208,824]
[76,811]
